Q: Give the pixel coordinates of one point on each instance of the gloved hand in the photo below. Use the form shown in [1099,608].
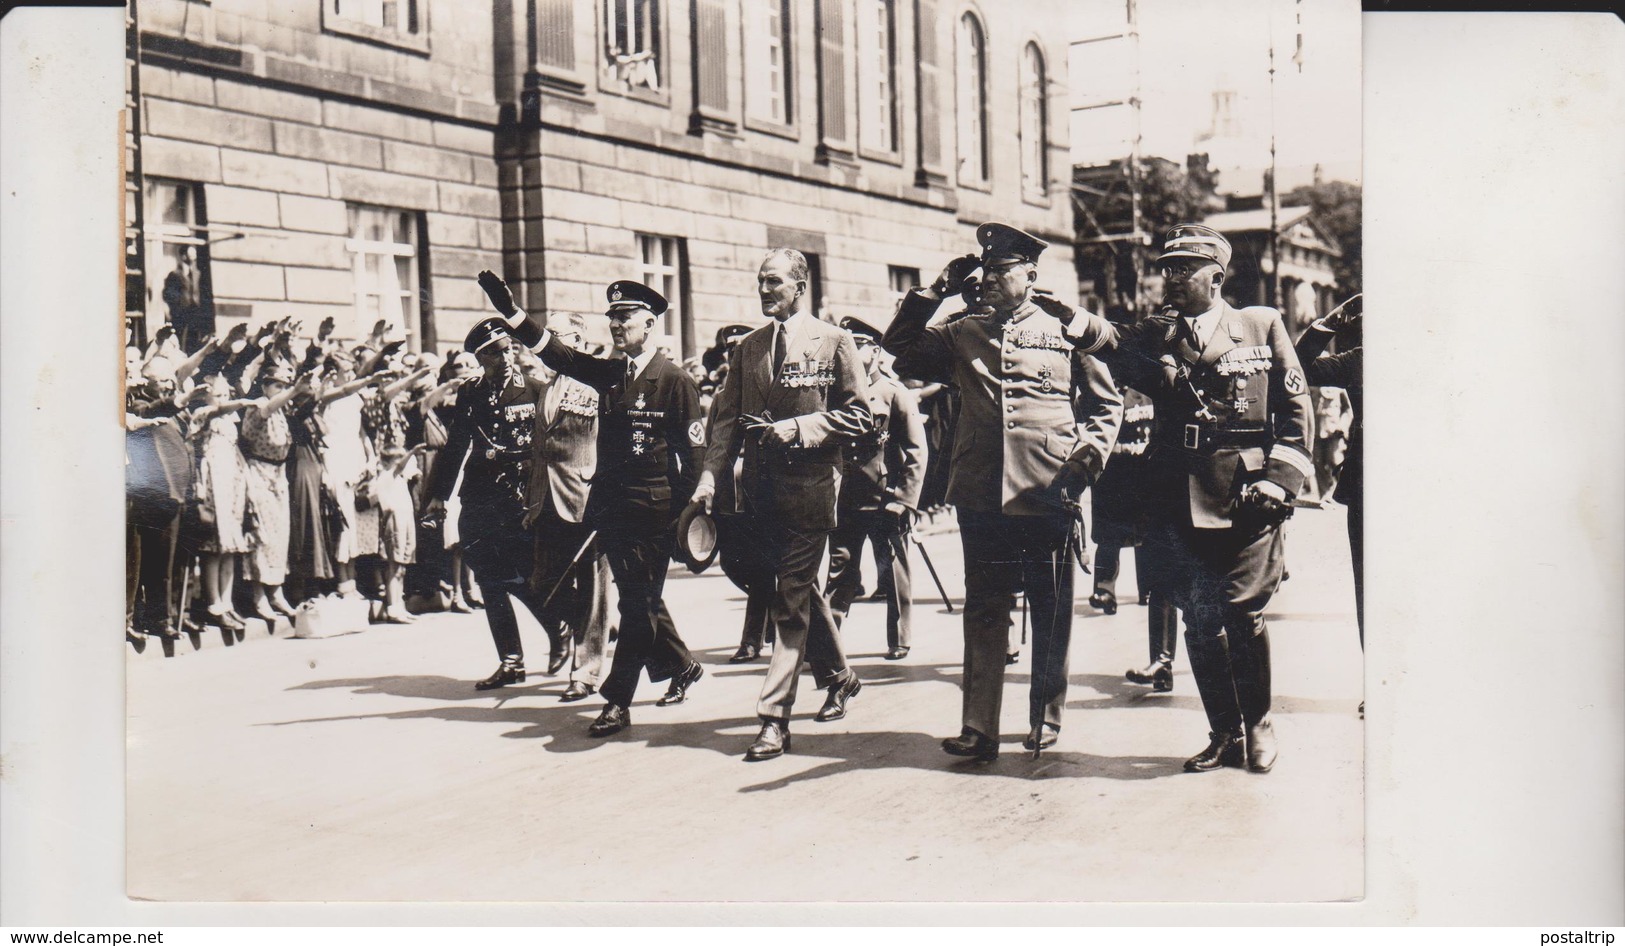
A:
[897,518]
[497,291]
[705,494]
[1074,478]
[955,275]
[1346,315]
[1269,500]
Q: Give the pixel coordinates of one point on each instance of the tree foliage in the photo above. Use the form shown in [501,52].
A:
[1336,206]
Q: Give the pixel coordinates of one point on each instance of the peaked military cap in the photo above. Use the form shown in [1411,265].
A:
[1196,242]
[485,332]
[714,356]
[626,294]
[859,327]
[1002,243]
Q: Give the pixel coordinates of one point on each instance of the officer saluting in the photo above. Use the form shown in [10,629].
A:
[880,492]
[1037,422]
[650,434]
[1229,451]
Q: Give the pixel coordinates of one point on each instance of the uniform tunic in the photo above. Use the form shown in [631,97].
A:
[1029,402]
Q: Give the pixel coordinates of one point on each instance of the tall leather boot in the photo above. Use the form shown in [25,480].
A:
[1162,636]
[1250,665]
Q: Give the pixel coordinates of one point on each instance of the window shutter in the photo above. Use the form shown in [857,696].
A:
[711,55]
[929,88]
[832,77]
[555,34]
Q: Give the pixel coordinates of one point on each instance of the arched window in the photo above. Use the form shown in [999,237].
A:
[975,145]
[1034,124]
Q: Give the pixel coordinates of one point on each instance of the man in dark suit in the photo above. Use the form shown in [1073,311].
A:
[1037,422]
[880,494]
[650,434]
[566,455]
[1229,450]
[1344,370]
[795,394]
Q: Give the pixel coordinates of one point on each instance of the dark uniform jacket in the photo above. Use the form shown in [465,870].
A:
[1234,412]
[1030,400]
[887,464]
[823,388]
[650,433]
[493,428]
[566,447]
[1342,370]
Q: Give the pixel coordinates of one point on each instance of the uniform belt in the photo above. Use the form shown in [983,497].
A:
[1203,437]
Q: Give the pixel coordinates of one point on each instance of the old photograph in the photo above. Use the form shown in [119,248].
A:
[744,450]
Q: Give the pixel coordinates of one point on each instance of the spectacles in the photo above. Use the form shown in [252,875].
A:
[1180,270]
[864,341]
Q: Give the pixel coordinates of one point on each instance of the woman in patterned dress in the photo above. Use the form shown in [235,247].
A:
[266,441]
[222,498]
[397,521]
[346,458]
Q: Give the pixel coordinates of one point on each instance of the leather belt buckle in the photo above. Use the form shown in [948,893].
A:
[1193,436]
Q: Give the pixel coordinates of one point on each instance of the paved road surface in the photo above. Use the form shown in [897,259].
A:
[366,767]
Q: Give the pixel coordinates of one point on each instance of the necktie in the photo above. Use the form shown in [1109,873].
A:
[780,345]
[631,373]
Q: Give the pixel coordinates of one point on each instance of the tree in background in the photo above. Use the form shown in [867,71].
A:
[1169,194]
[1336,206]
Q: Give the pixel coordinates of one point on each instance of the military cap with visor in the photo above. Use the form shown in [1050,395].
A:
[1002,243]
[1194,241]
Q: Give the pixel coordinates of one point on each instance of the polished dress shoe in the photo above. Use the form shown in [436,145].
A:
[508,672]
[558,656]
[897,653]
[577,691]
[745,654]
[677,692]
[1104,601]
[973,744]
[1145,598]
[772,741]
[1223,749]
[1158,676]
[1011,657]
[1261,751]
[1042,737]
[839,693]
[611,721]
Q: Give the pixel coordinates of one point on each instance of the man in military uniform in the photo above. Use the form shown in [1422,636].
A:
[566,455]
[1038,417]
[794,396]
[650,434]
[1229,451]
[880,493]
[493,422]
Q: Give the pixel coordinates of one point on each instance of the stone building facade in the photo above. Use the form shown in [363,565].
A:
[363,159]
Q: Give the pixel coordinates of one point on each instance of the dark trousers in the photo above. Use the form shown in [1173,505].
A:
[1109,563]
[639,558]
[572,588]
[1005,555]
[806,628]
[499,614]
[745,561]
[151,537]
[1223,579]
[853,527]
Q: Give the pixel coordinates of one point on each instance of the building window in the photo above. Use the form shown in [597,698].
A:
[877,75]
[902,279]
[665,270]
[1034,124]
[177,255]
[974,143]
[385,249]
[767,61]
[394,22]
[632,43]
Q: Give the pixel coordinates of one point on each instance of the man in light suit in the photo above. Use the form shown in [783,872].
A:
[795,394]
[1037,422]
[565,457]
